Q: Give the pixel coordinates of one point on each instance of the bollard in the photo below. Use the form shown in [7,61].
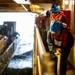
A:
[46,58]
[47,65]
[50,68]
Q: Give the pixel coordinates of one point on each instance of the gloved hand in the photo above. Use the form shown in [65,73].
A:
[58,52]
[64,25]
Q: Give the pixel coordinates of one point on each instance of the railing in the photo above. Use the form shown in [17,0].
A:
[41,59]
[2,45]
[7,55]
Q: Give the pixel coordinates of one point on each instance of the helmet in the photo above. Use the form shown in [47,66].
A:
[55,26]
[48,12]
[55,8]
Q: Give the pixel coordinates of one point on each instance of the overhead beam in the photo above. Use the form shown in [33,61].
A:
[24,7]
[47,1]
[40,1]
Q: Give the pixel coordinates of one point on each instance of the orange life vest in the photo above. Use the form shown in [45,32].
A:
[58,17]
[39,20]
[61,40]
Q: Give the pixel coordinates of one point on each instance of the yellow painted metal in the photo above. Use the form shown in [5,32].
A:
[40,56]
[39,66]
[2,45]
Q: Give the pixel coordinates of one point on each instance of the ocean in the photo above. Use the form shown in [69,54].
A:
[21,62]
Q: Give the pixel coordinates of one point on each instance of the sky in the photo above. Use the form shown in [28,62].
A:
[24,21]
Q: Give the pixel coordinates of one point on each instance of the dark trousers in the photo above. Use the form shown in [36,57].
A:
[63,63]
[44,39]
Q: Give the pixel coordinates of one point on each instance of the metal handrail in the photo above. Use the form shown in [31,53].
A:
[40,44]
[6,56]
[39,54]
[2,45]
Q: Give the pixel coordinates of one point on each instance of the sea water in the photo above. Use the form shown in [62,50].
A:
[21,62]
